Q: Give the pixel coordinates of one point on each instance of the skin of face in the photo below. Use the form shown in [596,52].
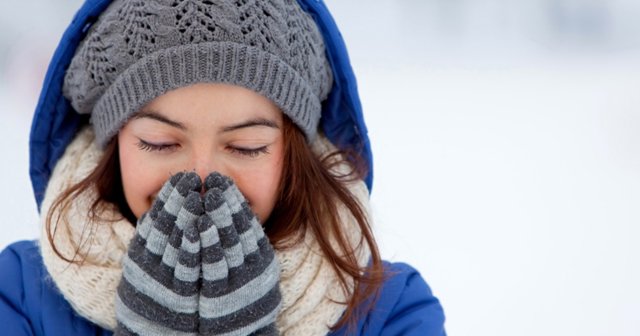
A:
[204,128]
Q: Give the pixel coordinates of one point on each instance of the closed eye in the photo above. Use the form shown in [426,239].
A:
[151,147]
[249,152]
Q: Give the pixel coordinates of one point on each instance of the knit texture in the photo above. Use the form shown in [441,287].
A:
[309,286]
[140,49]
[199,265]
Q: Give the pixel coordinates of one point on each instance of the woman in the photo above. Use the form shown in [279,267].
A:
[193,184]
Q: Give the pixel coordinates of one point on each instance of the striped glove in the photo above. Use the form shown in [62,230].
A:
[193,271]
[240,292]
[160,286]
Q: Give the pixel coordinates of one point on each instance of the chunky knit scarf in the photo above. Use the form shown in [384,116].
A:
[309,285]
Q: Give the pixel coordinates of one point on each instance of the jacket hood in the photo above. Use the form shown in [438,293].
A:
[55,123]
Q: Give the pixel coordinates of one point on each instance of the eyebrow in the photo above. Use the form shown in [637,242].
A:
[257,122]
[251,123]
[159,117]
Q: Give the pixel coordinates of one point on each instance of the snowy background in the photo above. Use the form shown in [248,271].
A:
[506,137]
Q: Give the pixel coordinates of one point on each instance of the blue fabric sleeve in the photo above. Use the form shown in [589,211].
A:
[30,304]
[12,296]
[417,311]
[406,306]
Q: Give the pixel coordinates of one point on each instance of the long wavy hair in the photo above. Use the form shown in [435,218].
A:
[310,193]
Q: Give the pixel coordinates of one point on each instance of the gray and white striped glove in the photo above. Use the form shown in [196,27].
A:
[195,271]
[160,286]
[240,292]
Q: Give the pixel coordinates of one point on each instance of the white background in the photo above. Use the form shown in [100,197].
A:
[506,138]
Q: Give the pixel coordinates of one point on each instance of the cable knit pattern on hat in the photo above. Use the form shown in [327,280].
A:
[309,286]
[140,49]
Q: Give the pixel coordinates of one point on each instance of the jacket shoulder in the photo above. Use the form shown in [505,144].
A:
[30,304]
[13,302]
[405,306]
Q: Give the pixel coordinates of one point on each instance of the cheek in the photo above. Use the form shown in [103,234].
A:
[260,187]
[140,181]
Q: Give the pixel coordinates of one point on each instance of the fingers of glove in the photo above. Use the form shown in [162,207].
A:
[165,224]
[222,191]
[217,180]
[189,259]
[242,295]
[264,248]
[143,227]
[147,220]
[217,209]
[158,256]
[248,229]
[188,268]
[242,238]
[188,182]
[156,291]
[214,264]
[187,217]
[231,193]
[244,221]
[166,190]
[251,273]
[162,197]
[160,292]
[148,239]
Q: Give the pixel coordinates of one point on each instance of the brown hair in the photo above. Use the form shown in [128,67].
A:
[311,191]
[309,196]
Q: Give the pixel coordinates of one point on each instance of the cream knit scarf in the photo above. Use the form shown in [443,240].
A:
[309,285]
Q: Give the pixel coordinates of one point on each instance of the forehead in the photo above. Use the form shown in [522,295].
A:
[213,102]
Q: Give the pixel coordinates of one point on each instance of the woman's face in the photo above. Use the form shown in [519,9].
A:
[204,128]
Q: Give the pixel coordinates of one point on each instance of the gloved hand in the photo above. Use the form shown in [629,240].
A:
[240,292]
[195,271]
[160,286]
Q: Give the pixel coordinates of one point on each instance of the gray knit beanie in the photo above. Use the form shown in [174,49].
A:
[140,49]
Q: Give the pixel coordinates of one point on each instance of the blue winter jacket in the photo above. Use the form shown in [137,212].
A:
[30,304]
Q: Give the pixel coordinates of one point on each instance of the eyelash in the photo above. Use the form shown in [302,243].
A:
[249,152]
[149,147]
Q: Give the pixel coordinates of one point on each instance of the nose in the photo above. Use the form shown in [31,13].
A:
[204,163]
